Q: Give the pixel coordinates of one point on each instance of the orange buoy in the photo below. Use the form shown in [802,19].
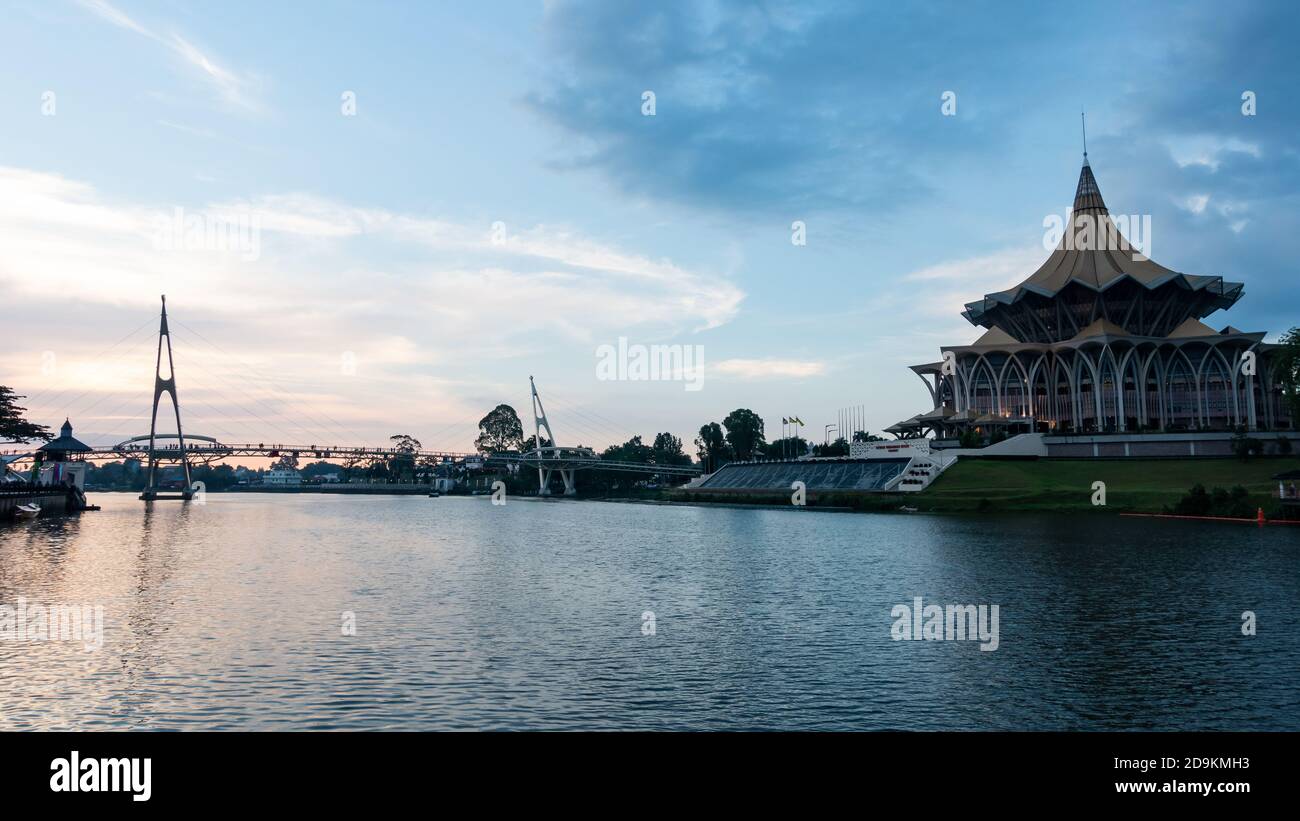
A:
[1260,516]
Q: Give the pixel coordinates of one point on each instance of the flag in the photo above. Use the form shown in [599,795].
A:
[798,421]
[784,421]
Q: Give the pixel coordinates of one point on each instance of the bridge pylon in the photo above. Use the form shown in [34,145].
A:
[167,386]
[544,473]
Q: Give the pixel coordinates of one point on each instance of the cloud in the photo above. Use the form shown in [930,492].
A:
[769,368]
[233,88]
[782,106]
[941,291]
[427,312]
[1205,149]
[116,16]
[1195,203]
[352,263]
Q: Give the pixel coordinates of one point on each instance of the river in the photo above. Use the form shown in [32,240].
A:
[324,612]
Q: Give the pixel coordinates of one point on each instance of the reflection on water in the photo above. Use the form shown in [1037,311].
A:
[228,615]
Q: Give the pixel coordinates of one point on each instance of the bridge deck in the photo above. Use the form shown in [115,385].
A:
[207,449]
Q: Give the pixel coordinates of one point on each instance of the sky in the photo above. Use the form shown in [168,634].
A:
[378,218]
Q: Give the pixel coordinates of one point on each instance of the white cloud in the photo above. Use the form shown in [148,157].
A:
[234,88]
[431,312]
[769,368]
[941,291]
[1206,149]
[115,16]
[328,260]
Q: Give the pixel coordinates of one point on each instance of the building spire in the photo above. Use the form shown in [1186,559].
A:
[1083,122]
[1087,196]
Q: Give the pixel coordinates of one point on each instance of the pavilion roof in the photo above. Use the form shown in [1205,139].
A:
[1191,328]
[1101,327]
[995,336]
[65,443]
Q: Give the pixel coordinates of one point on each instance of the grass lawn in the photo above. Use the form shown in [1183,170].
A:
[1139,485]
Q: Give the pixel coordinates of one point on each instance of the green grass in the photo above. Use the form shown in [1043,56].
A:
[1138,485]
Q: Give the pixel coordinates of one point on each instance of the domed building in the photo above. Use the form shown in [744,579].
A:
[1101,340]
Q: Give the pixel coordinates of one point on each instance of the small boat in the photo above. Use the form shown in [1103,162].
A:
[28,511]
[434,495]
[907,509]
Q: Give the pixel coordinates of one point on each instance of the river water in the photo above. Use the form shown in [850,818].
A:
[234,614]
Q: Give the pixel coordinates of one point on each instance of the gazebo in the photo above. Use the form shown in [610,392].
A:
[64,455]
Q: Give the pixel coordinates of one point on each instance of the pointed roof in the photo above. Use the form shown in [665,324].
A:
[942,412]
[65,443]
[1191,328]
[1101,327]
[995,336]
[1087,196]
[1092,252]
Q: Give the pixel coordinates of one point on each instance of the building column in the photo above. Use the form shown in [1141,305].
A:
[1251,423]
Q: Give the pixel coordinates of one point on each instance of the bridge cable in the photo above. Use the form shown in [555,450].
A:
[338,426]
[95,358]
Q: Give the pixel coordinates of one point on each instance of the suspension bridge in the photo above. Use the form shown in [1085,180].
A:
[157,449]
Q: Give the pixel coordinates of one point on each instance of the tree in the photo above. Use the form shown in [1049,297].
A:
[744,432]
[1245,446]
[14,427]
[840,447]
[499,431]
[403,464]
[711,447]
[1286,370]
[530,444]
[318,468]
[864,436]
[633,450]
[790,447]
[667,450]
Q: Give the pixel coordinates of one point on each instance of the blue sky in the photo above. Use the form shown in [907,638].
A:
[376,241]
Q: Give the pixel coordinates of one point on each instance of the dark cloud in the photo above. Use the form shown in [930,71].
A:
[781,108]
[772,106]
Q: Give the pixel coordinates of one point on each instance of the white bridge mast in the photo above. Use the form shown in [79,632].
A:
[544,473]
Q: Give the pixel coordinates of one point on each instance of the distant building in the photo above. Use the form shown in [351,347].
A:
[1101,339]
[282,475]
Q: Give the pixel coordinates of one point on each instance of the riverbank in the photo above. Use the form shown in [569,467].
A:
[1045,485]
[1137,486]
